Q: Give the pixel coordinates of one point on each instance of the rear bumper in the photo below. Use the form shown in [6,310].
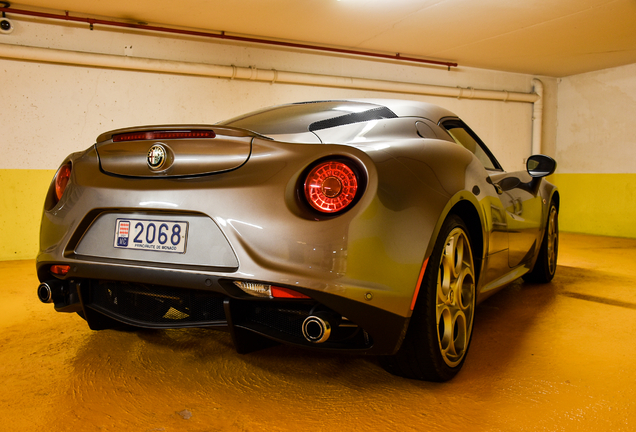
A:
[167,298]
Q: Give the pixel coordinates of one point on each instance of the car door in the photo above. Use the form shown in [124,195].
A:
[522,211]
[515,213]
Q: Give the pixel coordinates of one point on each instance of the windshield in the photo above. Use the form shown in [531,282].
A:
[311,116]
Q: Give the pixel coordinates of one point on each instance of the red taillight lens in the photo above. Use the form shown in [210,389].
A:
[331,186]
[156,135]
[61,180]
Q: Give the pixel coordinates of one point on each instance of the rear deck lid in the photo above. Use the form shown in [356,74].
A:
[173,150]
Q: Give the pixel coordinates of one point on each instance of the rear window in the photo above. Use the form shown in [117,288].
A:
[311,116]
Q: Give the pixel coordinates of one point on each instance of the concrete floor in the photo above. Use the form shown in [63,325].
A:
[555,357]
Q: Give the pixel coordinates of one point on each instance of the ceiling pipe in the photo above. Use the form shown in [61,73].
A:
[222,35]
[537,117]
[108,61]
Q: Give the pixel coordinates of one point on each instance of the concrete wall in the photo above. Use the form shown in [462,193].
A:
[596,152]
[51,110]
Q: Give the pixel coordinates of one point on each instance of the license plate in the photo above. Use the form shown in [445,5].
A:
[152,235]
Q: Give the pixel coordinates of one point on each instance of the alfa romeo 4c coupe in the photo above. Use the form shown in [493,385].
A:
[362,226]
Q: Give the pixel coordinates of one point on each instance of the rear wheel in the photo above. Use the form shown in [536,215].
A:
[545,267]
[439,334]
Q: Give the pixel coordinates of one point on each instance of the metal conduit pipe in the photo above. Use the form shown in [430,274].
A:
[46,55]
[219,35]
[537,117]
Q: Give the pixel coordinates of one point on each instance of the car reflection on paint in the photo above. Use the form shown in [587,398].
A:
[364,226]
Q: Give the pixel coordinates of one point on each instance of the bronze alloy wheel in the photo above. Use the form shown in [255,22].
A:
[553,239]
[438,337]
[546,264]
[455,297]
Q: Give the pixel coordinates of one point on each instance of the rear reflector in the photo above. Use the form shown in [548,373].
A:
[419,283]
[156,135]
[59,269]
[280,292]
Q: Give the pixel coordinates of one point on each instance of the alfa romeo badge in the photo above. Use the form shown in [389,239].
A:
[156,157]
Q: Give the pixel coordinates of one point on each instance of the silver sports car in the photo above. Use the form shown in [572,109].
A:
[364,226]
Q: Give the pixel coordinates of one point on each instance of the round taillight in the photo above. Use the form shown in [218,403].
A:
[61,180]
[331,186]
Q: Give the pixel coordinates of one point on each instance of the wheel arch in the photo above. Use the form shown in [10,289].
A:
[556,197]
[466,207]
[415,357]
[552,194]
[471,217]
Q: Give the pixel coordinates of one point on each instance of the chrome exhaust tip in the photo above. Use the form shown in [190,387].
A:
[316,329]
[50,291]
[45,293]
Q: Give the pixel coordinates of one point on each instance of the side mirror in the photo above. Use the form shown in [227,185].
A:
[540,165]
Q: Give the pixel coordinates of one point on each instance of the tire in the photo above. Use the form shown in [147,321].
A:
[440,330]
[546,264]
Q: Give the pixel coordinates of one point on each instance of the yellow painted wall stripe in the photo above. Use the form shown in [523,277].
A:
[602,204]
[23,192]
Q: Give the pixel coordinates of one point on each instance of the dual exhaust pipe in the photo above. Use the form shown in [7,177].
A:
[316,328]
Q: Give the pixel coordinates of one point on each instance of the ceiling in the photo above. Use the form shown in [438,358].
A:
[542,37]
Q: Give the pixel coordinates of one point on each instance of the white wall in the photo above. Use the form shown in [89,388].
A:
[57,109]
[596,117]
[597,152]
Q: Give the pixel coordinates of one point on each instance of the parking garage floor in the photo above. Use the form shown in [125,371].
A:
[556,357]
